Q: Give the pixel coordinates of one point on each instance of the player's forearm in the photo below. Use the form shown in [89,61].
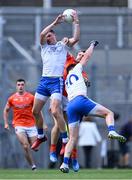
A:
[76,33]
[76,27]
[87,55]
[47,29]
[44,32]
[89,51]
[5,116]
[58,20]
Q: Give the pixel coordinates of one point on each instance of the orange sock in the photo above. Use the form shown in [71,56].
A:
[53,148]
[74,153]
[62,151]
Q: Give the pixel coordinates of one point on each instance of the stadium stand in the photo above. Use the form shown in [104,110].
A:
[74,3]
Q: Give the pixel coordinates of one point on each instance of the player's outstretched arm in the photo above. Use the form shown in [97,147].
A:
[58,20]
[5,116]
[76,29]
[88,53]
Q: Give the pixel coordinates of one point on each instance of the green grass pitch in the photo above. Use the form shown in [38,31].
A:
[56,174]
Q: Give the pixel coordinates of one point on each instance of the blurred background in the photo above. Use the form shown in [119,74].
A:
[110,68]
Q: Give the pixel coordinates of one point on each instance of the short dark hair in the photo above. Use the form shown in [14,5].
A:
[83,50]
[20,80]
[71,66]
[52,31]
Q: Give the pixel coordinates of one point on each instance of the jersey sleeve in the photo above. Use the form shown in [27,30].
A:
[31,97]
[65,45]
[9,101]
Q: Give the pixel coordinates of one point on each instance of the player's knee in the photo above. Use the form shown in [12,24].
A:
[73,140]
[56,127]
[35,112]
[26,146]
[111,113]
[108,112]
[55,111]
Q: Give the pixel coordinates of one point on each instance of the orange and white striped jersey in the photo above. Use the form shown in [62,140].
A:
[22,109]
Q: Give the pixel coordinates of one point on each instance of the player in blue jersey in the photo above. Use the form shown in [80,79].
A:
[53,55]
[80,105]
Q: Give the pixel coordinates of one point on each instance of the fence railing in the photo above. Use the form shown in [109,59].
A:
[111,26]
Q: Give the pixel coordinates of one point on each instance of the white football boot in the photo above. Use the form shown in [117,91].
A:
[115,135]
[64,168]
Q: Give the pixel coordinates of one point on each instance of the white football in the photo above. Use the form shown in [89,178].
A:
[68,15]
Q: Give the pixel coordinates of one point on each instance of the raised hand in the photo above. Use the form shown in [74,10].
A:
[75,17]
[7,126]
[65,40]
[59,19]
[95,43]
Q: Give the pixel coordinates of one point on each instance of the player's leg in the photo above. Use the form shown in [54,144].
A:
[64,106]
[55,133]
[56,107]
[73,132]
[75,164]
[41,96]
[54,139]
[57,113]
[74,118]
[75,113]
[109,117]
[39,102]
[32,136]
[23,139]
[37,107]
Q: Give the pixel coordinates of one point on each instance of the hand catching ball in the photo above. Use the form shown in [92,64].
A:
[68,15]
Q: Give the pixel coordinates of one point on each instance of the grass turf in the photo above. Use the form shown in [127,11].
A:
[56,174]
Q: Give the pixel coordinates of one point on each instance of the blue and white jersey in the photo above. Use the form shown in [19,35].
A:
[75,84]
[53,57]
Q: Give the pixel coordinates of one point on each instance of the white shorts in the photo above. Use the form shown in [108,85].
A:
[29,131]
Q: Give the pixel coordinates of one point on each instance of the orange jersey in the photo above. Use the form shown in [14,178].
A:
[71,60]
[22,109]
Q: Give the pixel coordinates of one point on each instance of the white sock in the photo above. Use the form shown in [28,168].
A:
[40,136]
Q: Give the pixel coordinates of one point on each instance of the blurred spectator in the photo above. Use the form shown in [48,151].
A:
[126,130]
[89,136]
